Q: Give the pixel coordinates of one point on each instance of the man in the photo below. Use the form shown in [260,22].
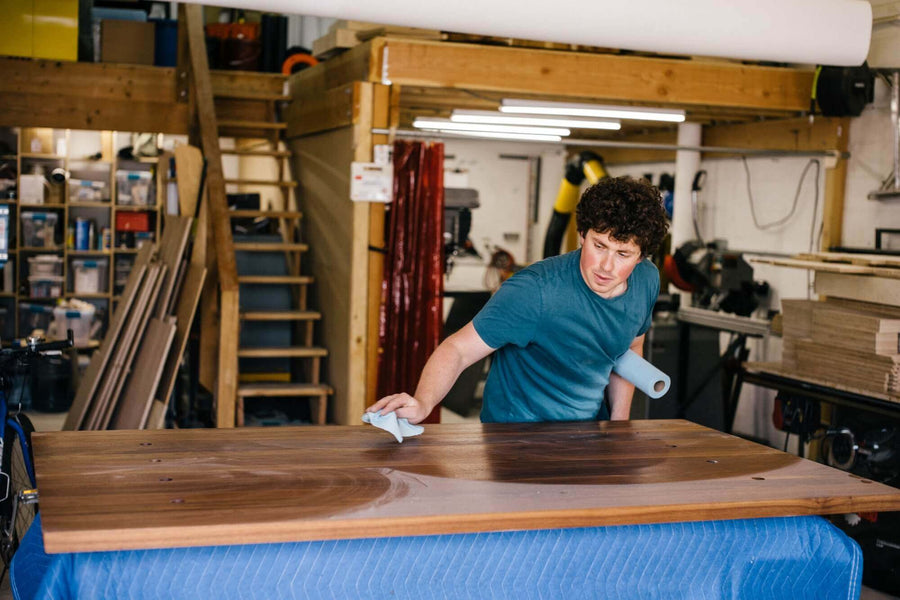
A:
[558,326]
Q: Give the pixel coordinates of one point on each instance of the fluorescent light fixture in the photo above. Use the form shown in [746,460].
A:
[487,116]
[535,107]
[501,136]
[448,125]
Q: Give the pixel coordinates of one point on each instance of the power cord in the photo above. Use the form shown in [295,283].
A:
[786,218]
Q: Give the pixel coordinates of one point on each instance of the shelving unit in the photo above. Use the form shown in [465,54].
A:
[94,216]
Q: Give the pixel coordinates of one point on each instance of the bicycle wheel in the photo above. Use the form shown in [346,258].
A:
[14,467]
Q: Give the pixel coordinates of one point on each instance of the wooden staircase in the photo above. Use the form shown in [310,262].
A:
[251,120]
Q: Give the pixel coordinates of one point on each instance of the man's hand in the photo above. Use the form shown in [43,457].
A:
[455,353]
[404,405]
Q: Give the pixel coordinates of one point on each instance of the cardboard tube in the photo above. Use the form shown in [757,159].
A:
[829,32]
[642,374]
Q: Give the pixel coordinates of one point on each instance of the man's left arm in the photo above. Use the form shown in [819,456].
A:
[619,391]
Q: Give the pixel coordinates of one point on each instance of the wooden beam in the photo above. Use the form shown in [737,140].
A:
[355,402]
[824,133]
[239,83]
[45,93]
[835,185]
[75,95]
[321,110]
[219,222]
[604,77]
[777,134]
[384,111]
[352,65]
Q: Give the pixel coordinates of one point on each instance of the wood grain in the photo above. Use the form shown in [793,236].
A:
[116,490]
[96,371]
[625,78]
[184,314]
[134,405]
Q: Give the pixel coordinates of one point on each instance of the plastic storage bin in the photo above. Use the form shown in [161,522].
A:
[85,190]
[79,320]
[134,188]
[34,316]
[38,229]
[89,276]
[44,265]
[45,286]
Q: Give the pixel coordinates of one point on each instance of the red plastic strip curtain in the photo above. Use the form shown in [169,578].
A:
[412,289]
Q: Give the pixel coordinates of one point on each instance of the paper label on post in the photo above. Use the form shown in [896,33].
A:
[381,153]
[371,182]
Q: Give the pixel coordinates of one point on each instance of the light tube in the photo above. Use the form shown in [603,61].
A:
[451,126]
[486,116]
[500,136]
[534,107]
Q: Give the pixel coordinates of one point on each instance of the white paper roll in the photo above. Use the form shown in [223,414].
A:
[831,32]
[642,374]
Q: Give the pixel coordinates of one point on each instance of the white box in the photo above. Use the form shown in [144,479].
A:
[31,189]
[89,276]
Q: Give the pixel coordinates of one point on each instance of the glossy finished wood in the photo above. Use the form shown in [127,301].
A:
[115,490]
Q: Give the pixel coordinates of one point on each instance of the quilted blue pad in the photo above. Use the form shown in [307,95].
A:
[791,558]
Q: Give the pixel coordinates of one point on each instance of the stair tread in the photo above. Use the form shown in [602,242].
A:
[283,389]
[281,315]
[274,279]
[260,182]
[282,351]
[275,214]
[246,152]
[251,124]
[238,95]
[268,247]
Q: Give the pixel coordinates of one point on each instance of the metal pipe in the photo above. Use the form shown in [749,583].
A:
[406,133]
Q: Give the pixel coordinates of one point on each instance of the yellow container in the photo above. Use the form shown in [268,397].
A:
[16,36]
[40,29]
[55,29]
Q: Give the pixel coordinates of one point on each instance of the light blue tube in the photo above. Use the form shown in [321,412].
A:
[642,374]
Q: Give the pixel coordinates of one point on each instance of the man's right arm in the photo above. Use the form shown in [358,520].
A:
[452,357]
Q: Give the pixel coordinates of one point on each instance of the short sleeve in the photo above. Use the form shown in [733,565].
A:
[652,296]
[512,315]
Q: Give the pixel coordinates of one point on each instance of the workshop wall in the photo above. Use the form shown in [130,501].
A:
[725,213]
[503,176]
[871,161]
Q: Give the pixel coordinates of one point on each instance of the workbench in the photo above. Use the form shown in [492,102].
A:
[618,509]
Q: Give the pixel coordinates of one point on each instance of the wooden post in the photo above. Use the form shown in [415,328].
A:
[385,108]
[835,184]
[218,219]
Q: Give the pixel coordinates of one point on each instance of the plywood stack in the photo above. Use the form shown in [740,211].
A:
[347,34]
[844,342]
[121,382]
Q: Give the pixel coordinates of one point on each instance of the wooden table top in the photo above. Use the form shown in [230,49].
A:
[115,490]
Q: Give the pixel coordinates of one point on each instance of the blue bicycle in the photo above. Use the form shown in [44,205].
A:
[17,481]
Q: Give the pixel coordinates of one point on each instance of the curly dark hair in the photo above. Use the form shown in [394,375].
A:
[625,208]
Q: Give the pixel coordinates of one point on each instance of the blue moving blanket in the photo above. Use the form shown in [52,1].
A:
[786,557]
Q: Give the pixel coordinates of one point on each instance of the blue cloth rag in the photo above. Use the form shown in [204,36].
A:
[399,428]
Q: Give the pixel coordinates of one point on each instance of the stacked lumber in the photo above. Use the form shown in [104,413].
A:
[849,343]
[131,372]
[347,34]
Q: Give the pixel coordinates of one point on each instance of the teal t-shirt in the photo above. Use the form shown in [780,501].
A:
[557,340]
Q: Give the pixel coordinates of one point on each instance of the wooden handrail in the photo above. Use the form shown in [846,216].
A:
[219,222]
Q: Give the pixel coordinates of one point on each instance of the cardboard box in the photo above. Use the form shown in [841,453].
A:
[129,42]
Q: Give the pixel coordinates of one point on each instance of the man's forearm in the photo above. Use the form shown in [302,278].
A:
[439,374]
[619,391]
